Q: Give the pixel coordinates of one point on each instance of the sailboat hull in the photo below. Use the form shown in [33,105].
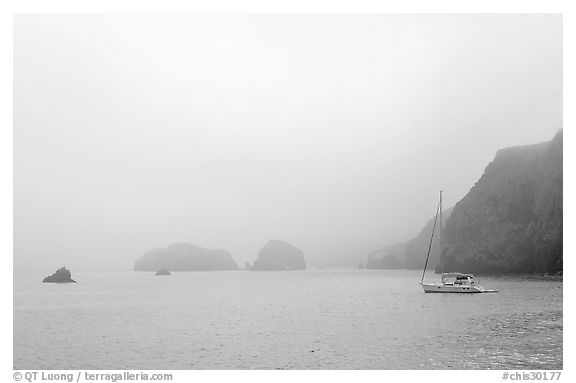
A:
[445,288]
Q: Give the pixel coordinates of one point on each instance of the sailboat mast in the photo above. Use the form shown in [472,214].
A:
[430,245]
[441,236]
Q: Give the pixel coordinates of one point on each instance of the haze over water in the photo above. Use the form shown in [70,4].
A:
[332,132]
[315,319]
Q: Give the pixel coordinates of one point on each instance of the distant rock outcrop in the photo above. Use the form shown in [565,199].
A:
[62,275]
[163,272]
[511,220]
[417,248]
[185,257]
[411,254]
[279,255]
[387,261]
[389,257]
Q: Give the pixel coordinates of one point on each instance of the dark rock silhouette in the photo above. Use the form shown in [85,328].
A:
[62,275]
[163,272]
[511,220]
[279,255]
[185,257]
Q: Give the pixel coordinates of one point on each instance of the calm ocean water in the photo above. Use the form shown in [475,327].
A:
[316,319]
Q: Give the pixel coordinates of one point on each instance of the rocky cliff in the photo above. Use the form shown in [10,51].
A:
[185,257]
[511,220]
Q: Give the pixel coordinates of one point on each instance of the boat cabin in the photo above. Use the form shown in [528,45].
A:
[458,279]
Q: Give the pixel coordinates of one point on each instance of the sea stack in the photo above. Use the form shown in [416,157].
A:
[279,255]
[62,275]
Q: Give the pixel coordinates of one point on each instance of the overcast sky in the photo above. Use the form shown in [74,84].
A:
[332,132]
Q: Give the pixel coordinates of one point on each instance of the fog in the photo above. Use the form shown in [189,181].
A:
[332,132]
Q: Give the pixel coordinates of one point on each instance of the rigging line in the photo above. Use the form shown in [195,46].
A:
[441,236]
[430,245]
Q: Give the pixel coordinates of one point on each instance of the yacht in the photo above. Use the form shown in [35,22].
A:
[455,283]
[450,282]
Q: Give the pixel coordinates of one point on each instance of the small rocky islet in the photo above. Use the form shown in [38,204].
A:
[62,275]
